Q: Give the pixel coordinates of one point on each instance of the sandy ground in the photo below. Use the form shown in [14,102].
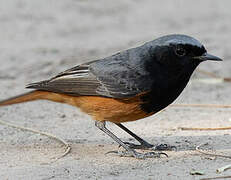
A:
[38,39]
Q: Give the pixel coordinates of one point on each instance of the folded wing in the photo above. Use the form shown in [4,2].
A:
[108,78]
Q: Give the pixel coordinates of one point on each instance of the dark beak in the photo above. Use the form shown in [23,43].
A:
[207,56]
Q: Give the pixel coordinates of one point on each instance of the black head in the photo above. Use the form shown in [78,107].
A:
[179,52]
[171,61]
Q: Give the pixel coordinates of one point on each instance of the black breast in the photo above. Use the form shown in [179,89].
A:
[163,94]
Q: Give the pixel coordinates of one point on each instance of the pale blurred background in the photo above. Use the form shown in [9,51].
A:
[40,38]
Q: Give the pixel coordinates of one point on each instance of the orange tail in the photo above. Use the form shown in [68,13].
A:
[31,96]
[38,95]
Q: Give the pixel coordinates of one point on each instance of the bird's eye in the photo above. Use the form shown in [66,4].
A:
[180,51]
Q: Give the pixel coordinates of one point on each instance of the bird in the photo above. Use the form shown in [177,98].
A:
[127,86]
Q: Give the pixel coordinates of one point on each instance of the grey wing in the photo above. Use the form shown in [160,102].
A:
[119,79]
[106,77]
[75,81]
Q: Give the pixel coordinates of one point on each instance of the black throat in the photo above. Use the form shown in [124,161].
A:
[164,91]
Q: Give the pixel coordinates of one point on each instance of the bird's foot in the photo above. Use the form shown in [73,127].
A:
[143,146]
[138,155]
[147,146]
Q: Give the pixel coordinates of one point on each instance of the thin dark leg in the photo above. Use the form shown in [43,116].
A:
[129,151]
[144,144]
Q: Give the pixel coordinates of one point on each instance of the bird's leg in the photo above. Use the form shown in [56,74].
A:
[129,151]
[144,144]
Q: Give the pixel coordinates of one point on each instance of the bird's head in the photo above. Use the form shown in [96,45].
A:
[180,52]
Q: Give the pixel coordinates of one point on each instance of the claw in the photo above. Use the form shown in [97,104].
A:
[138,155]
[160,147]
